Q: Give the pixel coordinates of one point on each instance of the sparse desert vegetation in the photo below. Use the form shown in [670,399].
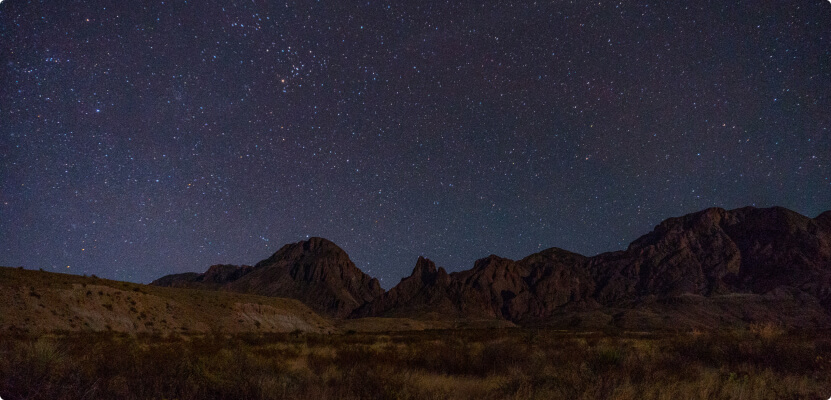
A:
[759,363]
[38,302]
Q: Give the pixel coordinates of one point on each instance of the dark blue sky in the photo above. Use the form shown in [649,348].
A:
[139,139]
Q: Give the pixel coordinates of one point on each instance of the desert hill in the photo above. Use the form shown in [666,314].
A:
[38,301]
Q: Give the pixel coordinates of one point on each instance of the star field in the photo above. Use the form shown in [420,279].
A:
[141,139]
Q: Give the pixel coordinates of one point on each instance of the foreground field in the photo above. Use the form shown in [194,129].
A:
[761,363]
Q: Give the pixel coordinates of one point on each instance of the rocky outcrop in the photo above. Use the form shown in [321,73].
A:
[557,278]
[422,294]
[716,251]
[316,272]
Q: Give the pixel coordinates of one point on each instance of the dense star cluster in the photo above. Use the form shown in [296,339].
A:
[139,139]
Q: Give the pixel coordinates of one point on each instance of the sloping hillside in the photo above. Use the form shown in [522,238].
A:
[38,301]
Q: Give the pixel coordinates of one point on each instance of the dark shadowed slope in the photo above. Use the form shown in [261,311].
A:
[215,277]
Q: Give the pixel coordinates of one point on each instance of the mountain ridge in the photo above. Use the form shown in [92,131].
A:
[767,255]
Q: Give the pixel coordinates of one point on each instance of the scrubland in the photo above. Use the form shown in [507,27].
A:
[763,362]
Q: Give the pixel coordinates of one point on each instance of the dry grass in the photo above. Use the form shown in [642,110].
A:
[466,364]
[767,330]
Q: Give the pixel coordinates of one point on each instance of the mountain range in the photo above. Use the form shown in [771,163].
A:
[711,268]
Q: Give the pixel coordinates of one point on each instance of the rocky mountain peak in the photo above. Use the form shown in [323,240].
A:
[424,267]
[315,271]
[306,249]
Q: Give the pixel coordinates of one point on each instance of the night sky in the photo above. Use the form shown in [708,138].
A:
[144,138]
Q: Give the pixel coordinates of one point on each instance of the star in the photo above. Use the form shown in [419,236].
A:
[194,134]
